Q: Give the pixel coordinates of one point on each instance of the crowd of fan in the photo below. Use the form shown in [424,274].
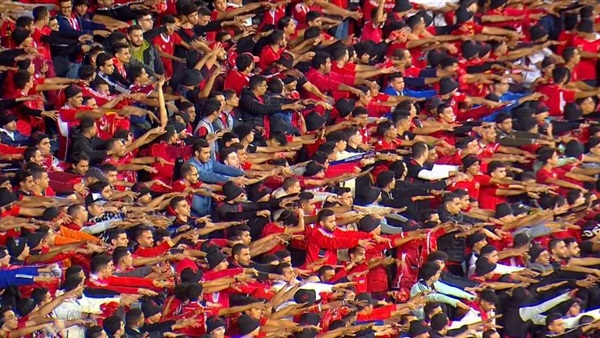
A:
[312,168]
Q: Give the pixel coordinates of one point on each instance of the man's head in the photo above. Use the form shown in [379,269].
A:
[326,219]
[181,207]
[573,249]
[118,237]
[230,157]
[144,238]
[357,255]
[122,257]
[555,323]
[241,254]
[104,63]
[258,85]
[322,62]
[102,266]
[558,248]
[78,213]
[40,178]
[420,151]
[189,173]
[452,203]
[497,169]
[488,300]
[430,272]
[114,326]
[202,150]
[121,52]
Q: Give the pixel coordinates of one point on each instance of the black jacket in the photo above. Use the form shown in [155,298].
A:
[253,111]
[93,147]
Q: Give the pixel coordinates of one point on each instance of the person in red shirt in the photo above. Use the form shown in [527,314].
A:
[589,45]
[41,182]
[101,277]
[367,313]
[327,238]
[287,222]
[566,177]
[239,77]
[169,151]
[471,184]
[276,43]
[493,193]
[372,30]
[165,45]
[388,137]
[321,76]
[556,95]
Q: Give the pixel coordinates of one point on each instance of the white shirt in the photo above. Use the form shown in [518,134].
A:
[76,309]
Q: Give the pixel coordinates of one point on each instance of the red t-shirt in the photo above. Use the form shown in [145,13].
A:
[586,68]
[236,81]
[300,11]
[268,56]
[167,45]
[372,33]
[557,98]
[487,195]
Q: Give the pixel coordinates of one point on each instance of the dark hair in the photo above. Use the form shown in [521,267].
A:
[256,81]
[237,249]
[320,59]
[429,270]
[133,316]
[134,27]
[561,74]
[133,72]
[495,165]
[437,255]
[40,12]
[439,321]
[323,214]
[111,325]
[489,296]
[23,21]
[201,144]
[276,37]
[101,59]
[552,317]
[119,253]
[99,262]
[168,19]
[21,78]
[419,149]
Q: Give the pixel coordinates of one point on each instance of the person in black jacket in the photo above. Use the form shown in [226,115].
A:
[85,140]
[253,107]
[451,244]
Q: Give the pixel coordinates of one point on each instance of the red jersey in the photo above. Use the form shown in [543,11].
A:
[236,81]
[586,68]
[556,98]
[324,244]
[167,44]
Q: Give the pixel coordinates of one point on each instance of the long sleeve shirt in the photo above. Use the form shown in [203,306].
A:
[534,313]
[17,277]
[128,285]
[214,172]
[433,296]
[323,243]
[76,309]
